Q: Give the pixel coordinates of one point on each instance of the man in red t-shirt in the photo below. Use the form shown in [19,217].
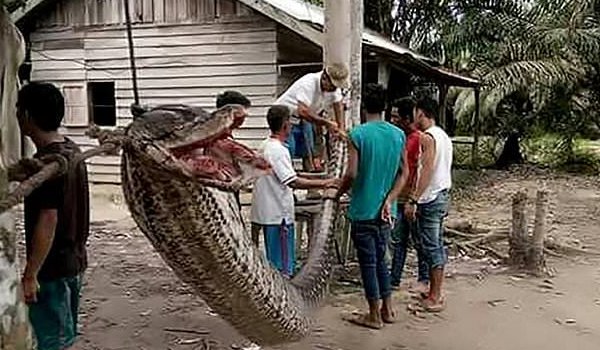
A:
[402,116]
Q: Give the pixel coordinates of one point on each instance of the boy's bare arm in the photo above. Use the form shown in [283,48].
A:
[401,179]
[43,236]
[306,183]
[313,175]
[338,110]
[428,146]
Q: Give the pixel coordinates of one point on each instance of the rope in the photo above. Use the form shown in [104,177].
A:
[57,165]
[55,168]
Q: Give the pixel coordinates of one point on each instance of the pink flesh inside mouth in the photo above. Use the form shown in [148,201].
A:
[214,158]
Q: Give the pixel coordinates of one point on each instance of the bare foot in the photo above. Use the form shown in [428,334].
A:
[365,320]
[421,289]
[388,315]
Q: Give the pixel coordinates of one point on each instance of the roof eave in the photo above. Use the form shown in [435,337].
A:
[28,7]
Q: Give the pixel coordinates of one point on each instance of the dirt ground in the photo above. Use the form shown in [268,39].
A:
[131,299]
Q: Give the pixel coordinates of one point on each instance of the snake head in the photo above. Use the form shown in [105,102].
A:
[189,141]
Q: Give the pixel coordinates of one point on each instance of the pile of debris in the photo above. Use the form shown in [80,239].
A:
[516,246]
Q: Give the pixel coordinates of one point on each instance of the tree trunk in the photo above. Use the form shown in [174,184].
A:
[511,152]
[518,241]
[343,44]
[356,27]
[535,259]
[15,331]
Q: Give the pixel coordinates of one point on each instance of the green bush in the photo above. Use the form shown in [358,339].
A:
[551,151]
[543,149]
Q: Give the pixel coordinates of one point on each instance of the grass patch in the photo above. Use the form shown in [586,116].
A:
[543,150]
[547,150]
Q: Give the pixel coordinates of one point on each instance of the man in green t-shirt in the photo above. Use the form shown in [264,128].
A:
[375,160]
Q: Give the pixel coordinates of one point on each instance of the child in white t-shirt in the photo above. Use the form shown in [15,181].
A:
[273,198]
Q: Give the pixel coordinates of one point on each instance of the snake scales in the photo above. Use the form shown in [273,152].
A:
[196,226]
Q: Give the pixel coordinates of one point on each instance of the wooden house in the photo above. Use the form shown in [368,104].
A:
[187,51]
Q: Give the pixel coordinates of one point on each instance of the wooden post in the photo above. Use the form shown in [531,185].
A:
[383,72]
[356,27]
[535,259]
[518,241]
[443,97]
[343,44]
[15,330]
[476,121]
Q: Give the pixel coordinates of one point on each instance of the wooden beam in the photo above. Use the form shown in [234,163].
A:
[383,72]
[338,39]
[443,99]
[343,44]
[476,123]
[357,28]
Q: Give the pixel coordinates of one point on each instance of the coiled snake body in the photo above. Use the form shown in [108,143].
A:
[181,200]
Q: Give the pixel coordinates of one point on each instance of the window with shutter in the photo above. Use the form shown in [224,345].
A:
[103,109]
[75,106]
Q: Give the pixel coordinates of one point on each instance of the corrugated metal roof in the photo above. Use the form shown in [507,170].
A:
[300,10]
[306,12]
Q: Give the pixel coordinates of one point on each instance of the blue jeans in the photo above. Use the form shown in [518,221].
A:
[280,246]
[406,231]
[370,240]
[54,316]
[430,221]
[301,140]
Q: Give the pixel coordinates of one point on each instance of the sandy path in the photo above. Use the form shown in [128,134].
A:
[131,299]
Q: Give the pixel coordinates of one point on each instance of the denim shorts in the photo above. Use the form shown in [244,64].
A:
[403,232]
[54,315]
[430,221]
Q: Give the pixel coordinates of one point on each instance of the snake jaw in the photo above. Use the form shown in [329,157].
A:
[199,146]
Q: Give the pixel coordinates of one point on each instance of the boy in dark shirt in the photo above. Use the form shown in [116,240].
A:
[237,98]
[234,98]
[56,223]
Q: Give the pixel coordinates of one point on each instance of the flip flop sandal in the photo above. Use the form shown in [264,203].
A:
[361,320]
[419,296]
[414,307]
[437,307]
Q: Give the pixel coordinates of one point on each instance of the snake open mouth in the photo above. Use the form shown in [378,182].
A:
[198,144]
[221,159]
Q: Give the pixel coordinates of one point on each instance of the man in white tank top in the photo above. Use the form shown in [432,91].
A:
[428,202]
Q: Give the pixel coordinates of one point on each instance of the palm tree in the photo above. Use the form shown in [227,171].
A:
[545,52]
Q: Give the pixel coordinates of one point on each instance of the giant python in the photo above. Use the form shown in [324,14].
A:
[180,197]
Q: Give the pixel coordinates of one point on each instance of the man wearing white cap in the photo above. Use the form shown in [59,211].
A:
[306,98]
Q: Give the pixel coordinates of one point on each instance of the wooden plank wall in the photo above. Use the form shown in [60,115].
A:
[188,62]
[109,12]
